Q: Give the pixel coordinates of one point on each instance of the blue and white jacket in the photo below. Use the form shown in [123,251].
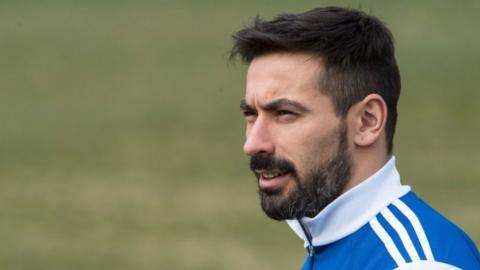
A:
[381,224]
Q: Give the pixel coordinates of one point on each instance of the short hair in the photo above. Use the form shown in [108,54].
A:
[356,50]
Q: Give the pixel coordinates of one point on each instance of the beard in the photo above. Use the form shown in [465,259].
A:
[311,193]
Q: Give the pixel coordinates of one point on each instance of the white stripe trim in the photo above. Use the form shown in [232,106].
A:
[427,265]
[387,241]
[417,226]
[402,232]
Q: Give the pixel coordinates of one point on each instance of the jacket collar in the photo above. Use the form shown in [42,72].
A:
[354,208]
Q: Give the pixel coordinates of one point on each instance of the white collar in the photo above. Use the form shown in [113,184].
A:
[354,208]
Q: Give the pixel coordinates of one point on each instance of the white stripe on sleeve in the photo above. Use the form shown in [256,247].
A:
[417,226]
[387,241]
[402,232]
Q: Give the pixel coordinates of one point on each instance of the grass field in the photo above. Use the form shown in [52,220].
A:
[120,138]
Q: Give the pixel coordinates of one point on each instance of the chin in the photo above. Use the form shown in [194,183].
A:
[272,192]
[277,203]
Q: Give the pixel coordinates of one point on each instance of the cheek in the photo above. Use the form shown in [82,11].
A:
[313,147]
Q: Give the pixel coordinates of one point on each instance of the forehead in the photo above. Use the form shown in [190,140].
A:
[283,75]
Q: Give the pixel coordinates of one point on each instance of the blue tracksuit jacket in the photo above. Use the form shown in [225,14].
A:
[381,224]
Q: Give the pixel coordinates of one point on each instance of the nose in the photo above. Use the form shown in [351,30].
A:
[258,138]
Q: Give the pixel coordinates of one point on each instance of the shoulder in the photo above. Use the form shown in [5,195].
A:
[415,236]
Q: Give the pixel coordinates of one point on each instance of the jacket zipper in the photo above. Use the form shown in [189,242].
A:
[309,239]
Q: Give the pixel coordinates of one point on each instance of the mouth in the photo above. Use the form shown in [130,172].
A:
[272,179]
[270,174]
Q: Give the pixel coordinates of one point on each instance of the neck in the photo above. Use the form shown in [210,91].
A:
[353,209]
[365,163]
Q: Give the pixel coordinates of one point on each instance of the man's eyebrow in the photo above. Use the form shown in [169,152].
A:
[244,106]
[281,103]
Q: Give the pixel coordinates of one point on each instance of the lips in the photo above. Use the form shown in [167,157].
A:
[272,179]
[270,174]
[273,173]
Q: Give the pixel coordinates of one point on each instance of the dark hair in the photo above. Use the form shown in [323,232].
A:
[355,48]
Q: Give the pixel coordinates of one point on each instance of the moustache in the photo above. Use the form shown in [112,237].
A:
[269,162]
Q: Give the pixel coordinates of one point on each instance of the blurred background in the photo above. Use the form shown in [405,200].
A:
[120,138]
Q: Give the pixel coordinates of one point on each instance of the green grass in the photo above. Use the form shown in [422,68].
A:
[120,139]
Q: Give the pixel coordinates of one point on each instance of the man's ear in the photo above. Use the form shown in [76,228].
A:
[370,117]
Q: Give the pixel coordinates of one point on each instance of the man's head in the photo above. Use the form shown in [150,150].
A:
[321,95]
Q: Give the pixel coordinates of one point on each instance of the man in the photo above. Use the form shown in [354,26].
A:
[320,110]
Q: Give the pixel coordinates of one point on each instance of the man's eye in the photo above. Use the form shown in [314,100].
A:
[249,115]
[283,112]
[284,115]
